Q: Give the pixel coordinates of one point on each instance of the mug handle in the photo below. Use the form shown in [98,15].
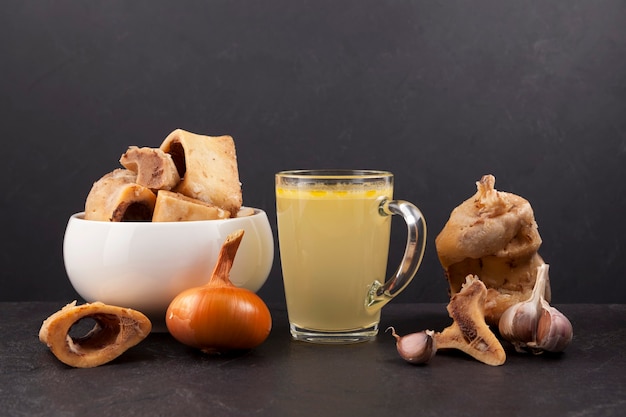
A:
[379,293]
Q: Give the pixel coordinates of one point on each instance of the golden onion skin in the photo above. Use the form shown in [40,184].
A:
[219,318]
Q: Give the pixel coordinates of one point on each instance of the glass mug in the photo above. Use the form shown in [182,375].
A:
[334,228]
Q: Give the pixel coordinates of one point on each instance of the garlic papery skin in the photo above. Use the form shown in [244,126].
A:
[554,330]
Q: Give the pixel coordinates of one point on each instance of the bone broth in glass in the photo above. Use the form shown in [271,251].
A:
[334,244]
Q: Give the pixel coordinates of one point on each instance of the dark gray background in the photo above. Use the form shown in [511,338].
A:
[439,92]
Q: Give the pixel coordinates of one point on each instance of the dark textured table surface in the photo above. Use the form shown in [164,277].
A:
[160,377]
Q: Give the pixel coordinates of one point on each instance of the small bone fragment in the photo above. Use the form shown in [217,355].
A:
[117,197]
[469,333]
[155,169]
[176,207]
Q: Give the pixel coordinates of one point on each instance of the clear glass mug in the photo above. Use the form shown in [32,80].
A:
[334,228]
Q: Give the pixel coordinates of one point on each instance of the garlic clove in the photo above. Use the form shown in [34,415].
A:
[554,330]
[518,324]
[416,348]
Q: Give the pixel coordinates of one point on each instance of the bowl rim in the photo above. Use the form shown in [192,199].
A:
[80,216]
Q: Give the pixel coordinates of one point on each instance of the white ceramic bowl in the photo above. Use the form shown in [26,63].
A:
[144,265]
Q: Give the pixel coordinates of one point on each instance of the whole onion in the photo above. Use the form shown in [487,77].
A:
[219,316]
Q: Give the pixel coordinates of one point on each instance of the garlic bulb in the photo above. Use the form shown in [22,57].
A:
[534,324]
